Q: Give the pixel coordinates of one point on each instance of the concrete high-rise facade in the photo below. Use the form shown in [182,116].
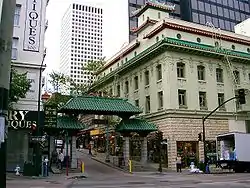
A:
[224,14]
[81,40]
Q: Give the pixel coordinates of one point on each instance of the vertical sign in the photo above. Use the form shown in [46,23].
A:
[50,119]
[32,25]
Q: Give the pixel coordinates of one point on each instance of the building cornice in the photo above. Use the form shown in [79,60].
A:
[144,25]
[192,114]
[196,31]
[28,65]
[172,44]
[127,51]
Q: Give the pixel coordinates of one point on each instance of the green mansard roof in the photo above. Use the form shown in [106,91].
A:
[171,44]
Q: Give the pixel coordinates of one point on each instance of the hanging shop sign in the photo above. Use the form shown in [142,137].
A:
[100,121]
[32,30]
[50,119]
[23,119]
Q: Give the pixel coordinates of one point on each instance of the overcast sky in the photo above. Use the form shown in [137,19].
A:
[115,28]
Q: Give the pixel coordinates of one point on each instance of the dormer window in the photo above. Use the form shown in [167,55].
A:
[143,17]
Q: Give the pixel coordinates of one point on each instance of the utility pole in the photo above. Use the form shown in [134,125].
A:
[7,9]
[38,157]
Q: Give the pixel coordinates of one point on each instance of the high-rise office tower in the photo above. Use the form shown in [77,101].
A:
[224,14]
[81,40]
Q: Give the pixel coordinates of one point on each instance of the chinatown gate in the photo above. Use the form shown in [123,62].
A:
[96,105]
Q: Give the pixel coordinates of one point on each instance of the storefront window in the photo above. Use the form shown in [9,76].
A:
[188,152]
[211,151]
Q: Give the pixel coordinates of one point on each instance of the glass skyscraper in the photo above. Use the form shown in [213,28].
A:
[224,14]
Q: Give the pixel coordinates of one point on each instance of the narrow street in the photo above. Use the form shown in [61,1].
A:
[96,170]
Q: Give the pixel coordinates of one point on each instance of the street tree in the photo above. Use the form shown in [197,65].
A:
[94,65]
[19,86]
[59,81]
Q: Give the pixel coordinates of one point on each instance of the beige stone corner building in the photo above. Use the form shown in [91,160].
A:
[177,72]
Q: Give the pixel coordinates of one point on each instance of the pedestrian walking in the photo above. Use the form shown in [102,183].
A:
[178,163]
[61,159]
[89,147]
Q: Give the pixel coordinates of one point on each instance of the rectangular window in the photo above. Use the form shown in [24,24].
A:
[118,90]
[126,87]
[159,72]
[219,75]
[182,97]
[180,70]
[136,82]
[146,76]
[17,15]
[137,102]
[160,100]
[202,100]
[236,76]
[221,100]
[14,48]
[147,109]
[111,92]
[201,72]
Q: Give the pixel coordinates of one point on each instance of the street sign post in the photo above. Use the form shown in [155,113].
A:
[38,138]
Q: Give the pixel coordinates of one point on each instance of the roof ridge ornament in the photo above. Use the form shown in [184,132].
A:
[156,4]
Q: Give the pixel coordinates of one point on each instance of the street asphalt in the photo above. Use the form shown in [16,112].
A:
[102,176]
[99,175]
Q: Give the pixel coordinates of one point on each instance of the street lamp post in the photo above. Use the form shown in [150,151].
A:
[38,156]
[203,126]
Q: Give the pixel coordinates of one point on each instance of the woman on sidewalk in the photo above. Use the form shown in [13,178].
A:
[178,163]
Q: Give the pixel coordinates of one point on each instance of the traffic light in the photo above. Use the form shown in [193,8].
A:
[241,96]
[160,136]
[199,137]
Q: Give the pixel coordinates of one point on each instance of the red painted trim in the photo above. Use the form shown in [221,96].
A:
[142,26]
[127,51]
[195,31]
[151,5]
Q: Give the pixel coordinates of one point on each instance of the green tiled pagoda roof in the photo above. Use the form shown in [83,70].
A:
[172,44]
[207,48]
[69,123]
[100,105]
[135,125]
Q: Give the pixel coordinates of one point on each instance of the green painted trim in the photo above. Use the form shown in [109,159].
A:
[171,44]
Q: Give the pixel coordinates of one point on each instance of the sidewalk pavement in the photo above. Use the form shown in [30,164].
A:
[52,181]
[150,167]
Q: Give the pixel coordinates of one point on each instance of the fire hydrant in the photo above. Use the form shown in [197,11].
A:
[17,170]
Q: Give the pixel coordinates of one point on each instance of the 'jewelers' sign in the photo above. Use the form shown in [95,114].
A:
[32,25]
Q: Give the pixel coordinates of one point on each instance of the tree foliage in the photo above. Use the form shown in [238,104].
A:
[59,81]
[78,89]
[19,86]
[94,65]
